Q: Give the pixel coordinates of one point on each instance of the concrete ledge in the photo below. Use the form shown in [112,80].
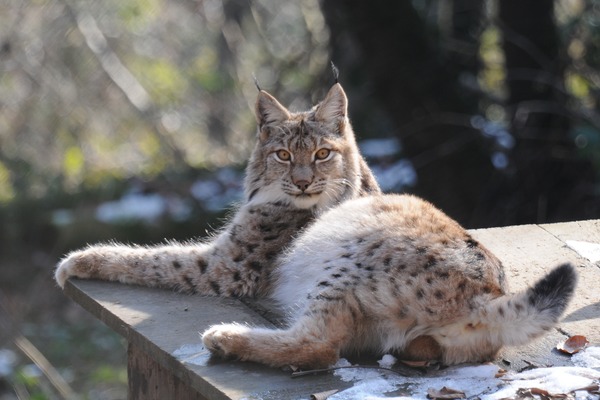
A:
[166,356]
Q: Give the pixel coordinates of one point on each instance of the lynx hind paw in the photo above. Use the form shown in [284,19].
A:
[226,340]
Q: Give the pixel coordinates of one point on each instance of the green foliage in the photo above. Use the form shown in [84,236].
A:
[69,119]
[88,354]
[206,73]
[137,14]
[577,85]
[493,73]
[120,89]
[73,163]
[107,374]
[7,192]
[164,80]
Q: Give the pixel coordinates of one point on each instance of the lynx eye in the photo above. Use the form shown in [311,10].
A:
[283,155]
[322,154]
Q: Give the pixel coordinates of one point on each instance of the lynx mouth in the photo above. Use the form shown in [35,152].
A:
[306,200]
[307,195]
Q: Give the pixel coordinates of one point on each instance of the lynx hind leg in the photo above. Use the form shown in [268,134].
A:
[422,348]
[309,343]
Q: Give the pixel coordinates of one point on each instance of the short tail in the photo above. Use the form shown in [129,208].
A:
[516,319]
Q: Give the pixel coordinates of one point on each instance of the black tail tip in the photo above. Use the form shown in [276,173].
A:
[554,291]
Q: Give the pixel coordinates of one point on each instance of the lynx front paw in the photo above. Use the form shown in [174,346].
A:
[74,265]
[227,340]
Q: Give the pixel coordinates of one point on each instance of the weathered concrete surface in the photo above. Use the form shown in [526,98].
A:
[160,323]
[162,327]
[530,251]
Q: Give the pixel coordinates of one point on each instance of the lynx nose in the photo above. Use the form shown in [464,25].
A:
[302,184]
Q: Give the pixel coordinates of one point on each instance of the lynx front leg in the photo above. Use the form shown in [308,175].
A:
[98,262]
[165,266]
[309,343]
[126,264]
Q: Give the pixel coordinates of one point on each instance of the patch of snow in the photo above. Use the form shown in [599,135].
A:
[229,177]
[475,381]
[178,209]
[220,191]
[366,389]
[376,148]
[499,160]
[588,250]
[354,374]
[32,371]
[387,361]
[472,380]
[395,176]
[204,190]
[8,360]
[494,130]
[195,354]
[368,382]
[373,383]
[589,358]
[62,217]
[554,380]
[132,206]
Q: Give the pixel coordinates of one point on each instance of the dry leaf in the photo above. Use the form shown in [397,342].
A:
[592,389]
[445,393]
[573,344]
[539,391]
[415,364]
[501,372]
[530,393]
[323,395]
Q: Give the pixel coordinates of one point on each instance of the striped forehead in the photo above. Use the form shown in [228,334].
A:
[302,142]
[302,136]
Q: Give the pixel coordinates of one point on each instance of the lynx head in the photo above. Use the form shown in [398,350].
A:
[305,159]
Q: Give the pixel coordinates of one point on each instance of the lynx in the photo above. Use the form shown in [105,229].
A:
[356,270]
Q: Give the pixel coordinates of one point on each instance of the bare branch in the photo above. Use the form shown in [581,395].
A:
[120,75]
[46,367]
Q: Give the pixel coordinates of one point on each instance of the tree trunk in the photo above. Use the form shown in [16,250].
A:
[419,87]
[544,180]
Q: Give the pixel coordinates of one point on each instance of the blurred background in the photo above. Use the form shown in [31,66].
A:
[132,120]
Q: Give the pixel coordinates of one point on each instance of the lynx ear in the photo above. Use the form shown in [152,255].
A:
[334,107]
[268,110]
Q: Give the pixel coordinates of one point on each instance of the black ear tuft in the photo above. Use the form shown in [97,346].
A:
[256,82]
[333,107]
[336,72]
